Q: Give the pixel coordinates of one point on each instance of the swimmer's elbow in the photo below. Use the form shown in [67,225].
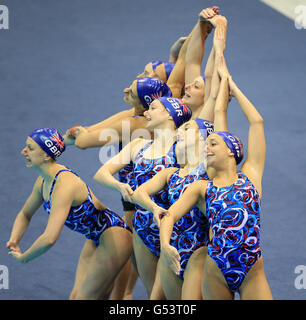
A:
[258,120]
[98,177]
[52,241]
[136,194]
[208,73]
[49,239]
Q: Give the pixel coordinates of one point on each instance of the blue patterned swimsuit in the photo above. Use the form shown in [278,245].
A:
[192,230]
[145,169]
[234,216]
[85,218]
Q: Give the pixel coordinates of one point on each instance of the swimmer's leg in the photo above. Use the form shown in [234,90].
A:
[106,262]
[214,286]
[255,285]
[193,275]
[146,263]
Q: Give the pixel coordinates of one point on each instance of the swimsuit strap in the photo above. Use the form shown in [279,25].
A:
[175,173]
[55,178]
[209,184]
[120,142]
[172,150]
[145,148]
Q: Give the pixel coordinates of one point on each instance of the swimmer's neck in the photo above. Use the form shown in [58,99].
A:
[138,110]
[49,170]
[196,112]
[188,168]
[164,136]
[225,178]
[190,164]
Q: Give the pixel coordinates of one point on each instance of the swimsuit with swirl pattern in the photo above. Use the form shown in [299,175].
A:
[191,231]
[234,216]
[145,169]
[85,218]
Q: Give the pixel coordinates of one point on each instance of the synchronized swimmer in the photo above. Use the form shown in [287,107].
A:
[191,226]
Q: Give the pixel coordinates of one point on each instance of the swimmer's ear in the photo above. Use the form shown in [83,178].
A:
[230,153]
[48,158]
[170,118]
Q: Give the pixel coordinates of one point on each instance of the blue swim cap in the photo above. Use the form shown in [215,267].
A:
[206,127]
[168,68]
[233,143]
[155,64]
[179,112]
[149,89]
[50,141]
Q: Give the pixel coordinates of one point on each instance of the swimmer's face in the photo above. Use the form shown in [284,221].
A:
[190,140]
[194,93]
[156,115]
[33,153]
[131,95]
[216,151]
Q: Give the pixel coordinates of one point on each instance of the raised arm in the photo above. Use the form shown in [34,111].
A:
[196,46]
[254,165]
[175,49]
[211,72]
[176,79]
[193,195]
[220,118]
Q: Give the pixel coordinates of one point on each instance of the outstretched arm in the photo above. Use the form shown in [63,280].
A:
[24,217]
[254,165]
[110,120]
[109,132]
[62,198]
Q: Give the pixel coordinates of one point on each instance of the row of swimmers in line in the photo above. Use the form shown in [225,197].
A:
[192,219]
